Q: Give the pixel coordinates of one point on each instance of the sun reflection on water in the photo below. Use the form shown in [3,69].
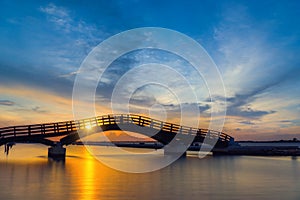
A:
[88,180]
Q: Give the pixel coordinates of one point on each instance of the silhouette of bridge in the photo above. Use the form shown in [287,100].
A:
[163,132]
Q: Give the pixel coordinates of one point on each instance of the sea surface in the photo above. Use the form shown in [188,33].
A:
[27,173]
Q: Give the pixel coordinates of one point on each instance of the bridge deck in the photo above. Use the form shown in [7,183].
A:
[38,132]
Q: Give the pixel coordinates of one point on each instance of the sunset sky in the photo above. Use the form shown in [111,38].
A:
[255,45]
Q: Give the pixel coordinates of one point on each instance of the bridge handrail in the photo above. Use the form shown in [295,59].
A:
[144,121]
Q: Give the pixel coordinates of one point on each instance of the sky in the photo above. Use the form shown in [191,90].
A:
[254,44]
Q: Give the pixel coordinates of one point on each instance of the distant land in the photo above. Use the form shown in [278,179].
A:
[294,140]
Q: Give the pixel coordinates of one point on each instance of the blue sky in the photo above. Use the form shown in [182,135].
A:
[254,44]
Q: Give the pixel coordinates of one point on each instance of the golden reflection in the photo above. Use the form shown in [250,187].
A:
[88,178]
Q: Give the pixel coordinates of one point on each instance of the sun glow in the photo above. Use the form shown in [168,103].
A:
[88,126]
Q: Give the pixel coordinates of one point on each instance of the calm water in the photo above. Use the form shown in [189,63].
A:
[28,174]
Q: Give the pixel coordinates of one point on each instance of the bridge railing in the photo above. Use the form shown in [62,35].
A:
[37,129]
[89,123]
[170,127]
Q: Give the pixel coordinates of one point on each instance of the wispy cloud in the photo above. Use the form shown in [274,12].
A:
[7,103]
[62,18]
[54,10]
[258,71]
[58,15]
[241,106]
[53,65]
[38,109]
[79,37]
[247,122]
[246,56]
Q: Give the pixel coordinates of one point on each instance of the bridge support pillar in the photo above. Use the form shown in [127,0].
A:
[57,152]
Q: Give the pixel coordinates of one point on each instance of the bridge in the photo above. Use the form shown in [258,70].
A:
[71,131]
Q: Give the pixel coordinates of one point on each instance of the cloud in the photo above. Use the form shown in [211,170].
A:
[247,122]
[259,71]
[286,121]
[7,103]
[204,108]
[51,66]
[69,75]
[40,106]
[38,109]
[247,55]
[72,39]
[32,110]
[53,10]
[42,78]
[144,101]
[176,77]
[63,20]
[240,106]
[58,15]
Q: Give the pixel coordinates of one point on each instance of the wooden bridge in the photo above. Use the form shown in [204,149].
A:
[163,132]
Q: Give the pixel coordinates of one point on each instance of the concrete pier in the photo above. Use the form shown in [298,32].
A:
[57,152]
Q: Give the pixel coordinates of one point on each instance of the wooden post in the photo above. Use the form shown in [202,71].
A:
[67,126]
[121,119]
[29,130]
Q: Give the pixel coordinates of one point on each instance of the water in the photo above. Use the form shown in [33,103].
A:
[28,174]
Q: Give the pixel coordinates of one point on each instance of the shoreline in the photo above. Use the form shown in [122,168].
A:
[237,149]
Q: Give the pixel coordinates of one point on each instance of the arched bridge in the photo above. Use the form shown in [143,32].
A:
[163,132]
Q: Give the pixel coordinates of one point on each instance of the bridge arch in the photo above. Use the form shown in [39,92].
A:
[163,132]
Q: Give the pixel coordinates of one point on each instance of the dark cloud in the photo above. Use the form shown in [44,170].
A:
[145,101]
[7,103]
[35,109]
[295,122]
[286,121]
[43,78]
[177,107]
[204,108]
[240,104]
[38,109]
[249,113]
[247,122]
[111,76]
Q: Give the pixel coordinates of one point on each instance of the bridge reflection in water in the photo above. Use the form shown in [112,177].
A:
[163,132]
